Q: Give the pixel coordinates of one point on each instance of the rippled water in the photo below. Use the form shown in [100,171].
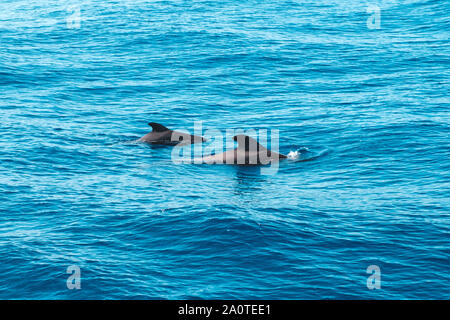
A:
[369,107]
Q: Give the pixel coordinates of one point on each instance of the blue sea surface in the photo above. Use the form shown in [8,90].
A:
[359,88]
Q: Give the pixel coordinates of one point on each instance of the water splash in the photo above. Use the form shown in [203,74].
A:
[293,155]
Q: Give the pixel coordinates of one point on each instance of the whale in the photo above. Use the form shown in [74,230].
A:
[248,152]
[162,135]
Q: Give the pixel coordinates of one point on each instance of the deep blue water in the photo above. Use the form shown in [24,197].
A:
[368,107]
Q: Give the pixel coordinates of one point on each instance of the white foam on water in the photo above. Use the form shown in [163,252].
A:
[293,155]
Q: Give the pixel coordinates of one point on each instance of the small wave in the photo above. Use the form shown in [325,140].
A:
[304,154]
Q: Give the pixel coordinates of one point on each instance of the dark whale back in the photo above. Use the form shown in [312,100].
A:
[251,152]
[162,135]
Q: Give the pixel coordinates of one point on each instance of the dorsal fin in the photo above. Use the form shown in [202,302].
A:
[157,127]
[248,143]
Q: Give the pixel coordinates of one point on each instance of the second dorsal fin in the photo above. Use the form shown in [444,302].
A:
[157,127]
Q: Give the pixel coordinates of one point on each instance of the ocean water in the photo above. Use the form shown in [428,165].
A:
[358,88]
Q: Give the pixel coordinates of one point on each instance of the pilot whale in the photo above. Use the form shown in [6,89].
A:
[248,152]
[162,135]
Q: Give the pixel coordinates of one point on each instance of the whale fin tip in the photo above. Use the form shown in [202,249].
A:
[157,127]
[245,142]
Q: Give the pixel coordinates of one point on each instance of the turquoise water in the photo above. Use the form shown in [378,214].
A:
[366,102]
